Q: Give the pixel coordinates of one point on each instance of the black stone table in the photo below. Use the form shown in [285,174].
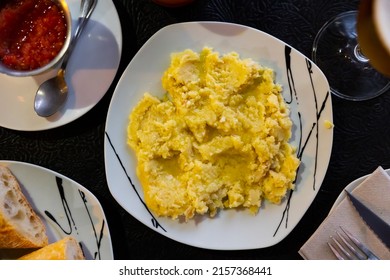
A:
[76,150]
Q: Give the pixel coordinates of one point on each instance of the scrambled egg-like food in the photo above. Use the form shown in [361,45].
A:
[219,138]
[328,124]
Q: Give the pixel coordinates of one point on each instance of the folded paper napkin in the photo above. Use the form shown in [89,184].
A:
[374,191]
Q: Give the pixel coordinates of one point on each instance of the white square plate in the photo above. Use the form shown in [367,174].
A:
[307,92]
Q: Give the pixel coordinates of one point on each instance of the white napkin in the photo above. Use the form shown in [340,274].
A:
[374,191]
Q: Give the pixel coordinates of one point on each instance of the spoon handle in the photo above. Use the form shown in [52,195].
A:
[86,9]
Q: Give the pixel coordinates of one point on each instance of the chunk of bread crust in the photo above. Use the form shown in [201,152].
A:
[20,226]
[65,249]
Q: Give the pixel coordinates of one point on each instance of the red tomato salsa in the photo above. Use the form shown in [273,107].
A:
[32,33]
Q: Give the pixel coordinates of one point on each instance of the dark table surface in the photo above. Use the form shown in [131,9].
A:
[76,150]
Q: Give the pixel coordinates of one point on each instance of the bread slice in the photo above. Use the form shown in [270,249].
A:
[65,249]
[20,226]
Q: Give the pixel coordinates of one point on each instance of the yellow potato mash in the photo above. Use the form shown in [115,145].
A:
[218,139]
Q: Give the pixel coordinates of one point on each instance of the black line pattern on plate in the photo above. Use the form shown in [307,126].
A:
[99,238]
[293,97]
[154,221]
[71,224]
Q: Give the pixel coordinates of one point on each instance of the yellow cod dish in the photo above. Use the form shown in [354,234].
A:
[218,139]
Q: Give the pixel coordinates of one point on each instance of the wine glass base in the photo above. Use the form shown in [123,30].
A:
[336,52]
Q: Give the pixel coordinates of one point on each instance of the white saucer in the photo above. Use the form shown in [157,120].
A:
[91,70]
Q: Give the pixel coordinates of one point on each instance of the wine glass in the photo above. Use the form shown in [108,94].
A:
[338,53]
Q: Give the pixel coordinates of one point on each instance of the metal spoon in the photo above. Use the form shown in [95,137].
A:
[52,94]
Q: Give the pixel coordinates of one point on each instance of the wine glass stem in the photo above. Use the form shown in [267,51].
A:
[359,54]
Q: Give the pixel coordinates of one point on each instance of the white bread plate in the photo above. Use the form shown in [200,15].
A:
[65,207]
